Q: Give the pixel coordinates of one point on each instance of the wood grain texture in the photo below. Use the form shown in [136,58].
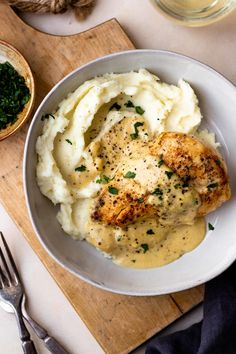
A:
[119,323]
[183,299]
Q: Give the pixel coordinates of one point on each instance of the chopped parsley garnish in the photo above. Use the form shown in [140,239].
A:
[161,161]
[210,226]
[218,162]
[135,134]
[140,200]
[68,141]
[145,247]
[177,185]
[47,116]
[150,232]
[115,106]
[119,238]
[196,202]
[212,185]
[129,104]
[130,174]
[133,260]
[139,110]
[14,94]
[103,180]
[113,190]
[81,168]
[169,174]
[157,191]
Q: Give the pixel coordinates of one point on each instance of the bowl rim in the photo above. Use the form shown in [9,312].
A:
[168,289]
[32,91]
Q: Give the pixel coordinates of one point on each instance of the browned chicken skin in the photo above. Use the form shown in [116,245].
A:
[200,169]
[125,208]
[201,166]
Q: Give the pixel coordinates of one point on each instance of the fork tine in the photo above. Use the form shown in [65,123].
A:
[5,266]
[13,265]
[3,280]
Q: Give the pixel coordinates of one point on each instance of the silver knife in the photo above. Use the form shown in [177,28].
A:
[50,343]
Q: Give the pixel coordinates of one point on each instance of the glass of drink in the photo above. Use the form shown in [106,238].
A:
[195,12]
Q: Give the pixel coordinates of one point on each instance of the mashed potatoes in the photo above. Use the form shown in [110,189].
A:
[73,150]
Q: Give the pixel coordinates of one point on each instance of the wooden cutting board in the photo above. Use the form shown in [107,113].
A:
[119,323]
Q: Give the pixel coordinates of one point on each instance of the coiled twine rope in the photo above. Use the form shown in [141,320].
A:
[82,8]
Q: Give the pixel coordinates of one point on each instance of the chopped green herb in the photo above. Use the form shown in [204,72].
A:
[113,190]
[81,168]
[140,200]
[157,191]
[169,174]
[145,247]
[196,202]
[150,232]
[218,162]
[138,124]
[130,174]
[68,141]
[161,161]
[103,180]
[115,106]
[135,134]
[129,104]
[212,185]
[139,110]
[133,260]
[177,185]
[210,226]
[14,94]
[119,238]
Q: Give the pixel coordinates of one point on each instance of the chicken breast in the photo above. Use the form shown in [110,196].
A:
[176,179]
[198,165]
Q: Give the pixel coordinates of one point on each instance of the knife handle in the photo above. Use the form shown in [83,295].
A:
[50,343]
[53,346]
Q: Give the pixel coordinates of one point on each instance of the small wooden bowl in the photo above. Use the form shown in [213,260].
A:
[14,57]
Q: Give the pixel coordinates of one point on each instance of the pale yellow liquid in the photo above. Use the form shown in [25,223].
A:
[195,12]
[165,245]
[193,5]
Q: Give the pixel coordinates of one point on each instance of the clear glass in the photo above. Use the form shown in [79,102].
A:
[195,12]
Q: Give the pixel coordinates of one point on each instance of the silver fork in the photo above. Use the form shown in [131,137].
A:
[11,292]
[50,343]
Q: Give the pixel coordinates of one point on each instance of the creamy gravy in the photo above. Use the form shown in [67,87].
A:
[146,244]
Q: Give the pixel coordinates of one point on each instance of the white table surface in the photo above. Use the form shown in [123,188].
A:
[214,45]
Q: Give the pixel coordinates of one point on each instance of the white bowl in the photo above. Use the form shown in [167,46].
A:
[217,97]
